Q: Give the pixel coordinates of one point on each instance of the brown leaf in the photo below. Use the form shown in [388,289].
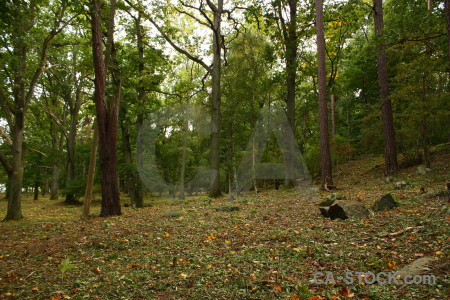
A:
[345,292]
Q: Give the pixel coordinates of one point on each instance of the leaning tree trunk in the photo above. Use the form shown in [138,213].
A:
[90,181]
[390,153]
[325,156]
[215,190]
[107,117]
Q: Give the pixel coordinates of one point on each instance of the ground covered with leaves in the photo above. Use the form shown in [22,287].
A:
[199,249]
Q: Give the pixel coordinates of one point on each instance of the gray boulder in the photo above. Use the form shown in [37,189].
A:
[389,179]
[385,202]
[421,170]
[417,267]
[401,185]
[343,209]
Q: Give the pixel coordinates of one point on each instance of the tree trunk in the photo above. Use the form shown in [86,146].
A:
[215,190]
[54,185]
[107,119]
[36,191]
[139,187]
[14,211]
[333,115]
[390,153]
[74,111]
[325,156]
[183,155]
[37,183]
[447,21]
[291,70]
[130,175]
[90,181]
[430,4]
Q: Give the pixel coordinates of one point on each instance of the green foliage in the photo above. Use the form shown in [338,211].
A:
[65,265]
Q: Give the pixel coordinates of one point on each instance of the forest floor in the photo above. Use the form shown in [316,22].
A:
[269,249]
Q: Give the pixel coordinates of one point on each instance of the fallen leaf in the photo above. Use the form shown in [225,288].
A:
[278,287]
[345,292]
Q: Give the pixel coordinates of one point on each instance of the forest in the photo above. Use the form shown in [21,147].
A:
[210,149]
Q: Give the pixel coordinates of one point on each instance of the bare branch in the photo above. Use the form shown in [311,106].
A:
[5,163]
[180,50]
[193,17]
[5,136]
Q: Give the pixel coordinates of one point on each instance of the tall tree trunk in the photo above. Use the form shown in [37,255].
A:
[183,155]
[126,150]
[390,153]
[37,183]
[90,181]
[74,111]
[333,115]
[325,156]
[107,116]
[15,174]
[139,187]
[447,22]
[15,177]
[430,4]
[54,184]
[291,70]
[215,190]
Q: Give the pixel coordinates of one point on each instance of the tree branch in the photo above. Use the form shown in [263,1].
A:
[180,50]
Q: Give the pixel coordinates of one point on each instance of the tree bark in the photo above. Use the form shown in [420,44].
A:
[107,119]
[325,156]
[390,153]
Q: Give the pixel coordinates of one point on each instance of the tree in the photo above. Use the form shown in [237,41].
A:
[447,22]
[24,64]
[390,152]
[107,113]
[218,43]
[325,156]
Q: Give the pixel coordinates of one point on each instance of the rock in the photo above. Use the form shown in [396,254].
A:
[389,179]
[227,208]
[343,209]
[329,200]
[385,202]
[324,211]
[445,210]
[417,267]
[421,170]
[436,194]
[400,185]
